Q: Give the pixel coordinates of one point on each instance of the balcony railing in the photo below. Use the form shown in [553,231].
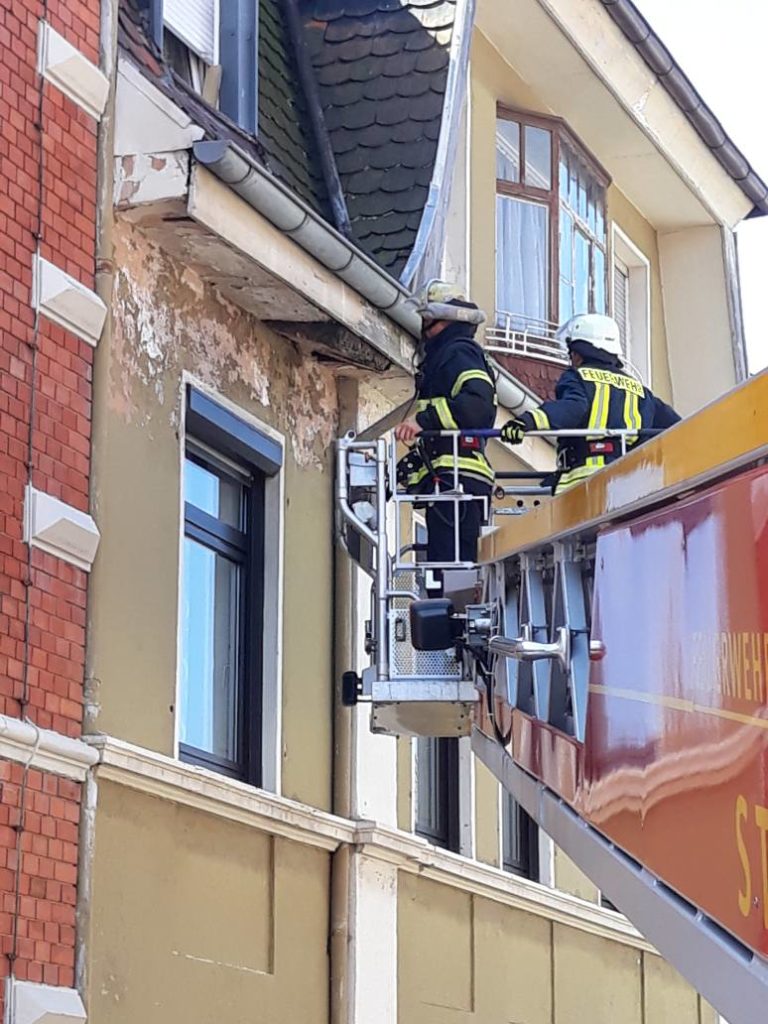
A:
[516,335]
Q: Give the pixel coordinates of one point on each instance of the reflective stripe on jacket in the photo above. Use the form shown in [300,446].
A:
[456,391]
[599,396]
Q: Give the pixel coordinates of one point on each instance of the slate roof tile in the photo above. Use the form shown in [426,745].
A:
[381,68]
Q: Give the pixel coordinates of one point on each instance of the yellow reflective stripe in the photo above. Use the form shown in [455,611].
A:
[575,476]
[462,379]
[598,420]
[466,464]
[615,380]
[441,407]
[541,419]
[444,414]
[632,419]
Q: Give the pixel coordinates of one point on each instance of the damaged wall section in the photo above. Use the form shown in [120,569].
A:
[170,327]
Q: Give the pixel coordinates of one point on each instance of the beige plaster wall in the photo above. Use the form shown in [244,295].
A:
[463,958]
[167,321]
[194,918]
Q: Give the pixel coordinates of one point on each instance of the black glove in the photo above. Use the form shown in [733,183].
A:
[513,432]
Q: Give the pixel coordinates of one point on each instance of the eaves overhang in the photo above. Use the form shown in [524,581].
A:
[570,59]
[290,215]
[684,93]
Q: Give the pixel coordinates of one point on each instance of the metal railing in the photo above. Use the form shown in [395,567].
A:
[374,521]
[517,335]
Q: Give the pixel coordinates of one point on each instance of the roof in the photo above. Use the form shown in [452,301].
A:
[285,129]
[381,68]
[285,143]
[680,88]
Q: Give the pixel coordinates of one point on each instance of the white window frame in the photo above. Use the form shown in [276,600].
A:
[274,537]
[639,300]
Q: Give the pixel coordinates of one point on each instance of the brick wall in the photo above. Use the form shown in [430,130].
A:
[45,868]
[48,148]
[538,375]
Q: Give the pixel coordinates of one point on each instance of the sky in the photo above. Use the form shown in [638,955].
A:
[722,48]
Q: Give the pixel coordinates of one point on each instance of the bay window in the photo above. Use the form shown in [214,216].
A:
[550,223]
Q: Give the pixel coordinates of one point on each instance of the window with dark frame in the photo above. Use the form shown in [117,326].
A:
[227,463]
[437,791]
[551,237]
[520,840]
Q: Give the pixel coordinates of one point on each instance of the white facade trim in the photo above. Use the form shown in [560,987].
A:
[59,529]
[199,788]
[417,856]
[146,121]
[29,1002]
[639,321]
[66,302]
[204,790]
[373,916]
[467,832]
[65,67]
[45,750]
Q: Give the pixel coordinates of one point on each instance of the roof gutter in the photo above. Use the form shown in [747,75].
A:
[680,88]
[273,200]
[295,218]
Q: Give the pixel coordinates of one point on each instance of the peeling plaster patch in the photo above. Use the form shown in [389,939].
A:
[167,319]
[147,179]
[638,107]
[372,406]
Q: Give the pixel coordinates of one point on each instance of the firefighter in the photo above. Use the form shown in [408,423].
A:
[595,391]
[455,390]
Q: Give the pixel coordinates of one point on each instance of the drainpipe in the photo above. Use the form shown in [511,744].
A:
[104,282]
[344,633]
[327,159]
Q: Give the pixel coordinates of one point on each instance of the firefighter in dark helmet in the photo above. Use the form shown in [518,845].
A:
[595,391]
[455,390]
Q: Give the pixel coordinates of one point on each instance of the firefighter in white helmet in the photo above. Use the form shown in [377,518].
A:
[455,390]
[595,391]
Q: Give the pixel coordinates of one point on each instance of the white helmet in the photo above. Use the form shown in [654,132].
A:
[596,329]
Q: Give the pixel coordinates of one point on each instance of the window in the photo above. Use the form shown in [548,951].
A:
[631,302]
[520,839]
[226,466]
[550,222]
[195,23]
[212,47]
[437,790]
[621,301]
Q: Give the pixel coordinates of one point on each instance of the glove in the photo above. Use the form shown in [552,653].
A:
[513,432]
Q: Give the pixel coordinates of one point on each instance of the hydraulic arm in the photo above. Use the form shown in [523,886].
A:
[609,658]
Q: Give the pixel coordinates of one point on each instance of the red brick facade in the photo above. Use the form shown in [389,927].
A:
[48,149]
[538,375]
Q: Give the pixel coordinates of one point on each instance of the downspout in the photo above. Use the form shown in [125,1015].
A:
[104,280]
[424,260]
[344,632]
[322,139]
[735,310]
